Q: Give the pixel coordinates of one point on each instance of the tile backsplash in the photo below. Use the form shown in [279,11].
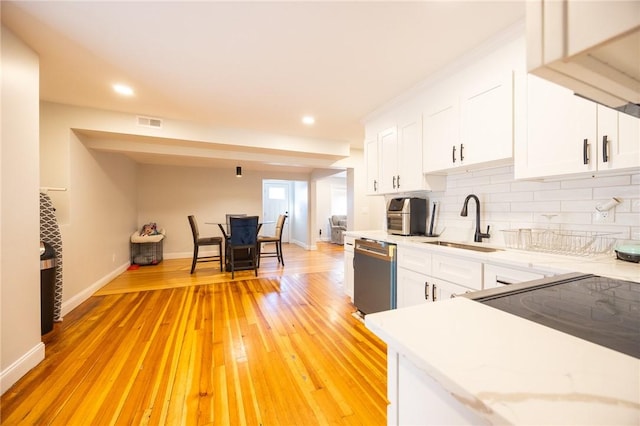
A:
[506,203]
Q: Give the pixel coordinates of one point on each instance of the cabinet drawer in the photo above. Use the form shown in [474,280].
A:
[497,276]
[414,259]
[467,273]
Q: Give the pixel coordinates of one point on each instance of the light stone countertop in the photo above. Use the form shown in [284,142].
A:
[507,369]
[510,370]
[607,266]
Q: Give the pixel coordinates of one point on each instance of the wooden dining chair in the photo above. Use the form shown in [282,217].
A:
[199,241]
[275,239]
[242,244]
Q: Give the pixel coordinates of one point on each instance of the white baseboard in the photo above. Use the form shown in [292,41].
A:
[189,254]
[303,245]
[76,300]
[182,255]
[14,372]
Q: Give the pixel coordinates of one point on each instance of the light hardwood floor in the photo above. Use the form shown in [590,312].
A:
[160,346]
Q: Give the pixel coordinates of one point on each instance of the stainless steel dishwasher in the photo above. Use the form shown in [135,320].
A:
[374,276]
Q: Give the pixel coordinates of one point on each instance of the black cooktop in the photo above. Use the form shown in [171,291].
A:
[601,310]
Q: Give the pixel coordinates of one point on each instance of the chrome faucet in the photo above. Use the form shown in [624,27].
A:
[478,235]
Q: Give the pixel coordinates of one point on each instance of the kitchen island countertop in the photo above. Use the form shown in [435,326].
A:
[506,369]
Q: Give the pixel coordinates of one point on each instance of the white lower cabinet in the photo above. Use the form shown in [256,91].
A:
[443,290]
[415,398]
[425,277]
[414,265]
[413,288]
[498,276]
[456,270]
[348,266]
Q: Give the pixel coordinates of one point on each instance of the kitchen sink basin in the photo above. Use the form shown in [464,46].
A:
[463,246]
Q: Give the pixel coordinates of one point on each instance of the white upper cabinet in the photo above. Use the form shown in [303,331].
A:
[409,171]
[394,156]
[570,135]
[441,132]
[561,130]
[590,47]
[372,166]
[401,157]
[388,161]
[468,121]
[464,118]
[487,119]
[471,127]
[619,140]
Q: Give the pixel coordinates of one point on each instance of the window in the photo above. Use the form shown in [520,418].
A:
[276,193]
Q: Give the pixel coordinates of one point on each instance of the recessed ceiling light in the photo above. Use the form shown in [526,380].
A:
[123,90]
[308,120]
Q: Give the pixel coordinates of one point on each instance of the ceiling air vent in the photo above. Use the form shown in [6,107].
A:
[156,123]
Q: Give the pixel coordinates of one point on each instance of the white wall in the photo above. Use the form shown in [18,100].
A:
[324,205]
[300,232]
[20,346]
[98,211]
[364,212]
[168,194]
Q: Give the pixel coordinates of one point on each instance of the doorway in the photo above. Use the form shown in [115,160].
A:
[276,200]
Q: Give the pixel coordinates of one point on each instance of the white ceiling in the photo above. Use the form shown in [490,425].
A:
[252,65]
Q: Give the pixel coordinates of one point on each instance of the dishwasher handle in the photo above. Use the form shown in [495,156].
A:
[375,249]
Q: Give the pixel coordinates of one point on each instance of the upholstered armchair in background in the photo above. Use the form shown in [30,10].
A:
[338,225]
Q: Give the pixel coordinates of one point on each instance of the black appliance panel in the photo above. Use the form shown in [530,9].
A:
[601,310]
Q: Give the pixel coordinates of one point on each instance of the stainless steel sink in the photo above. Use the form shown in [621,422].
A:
[463,246]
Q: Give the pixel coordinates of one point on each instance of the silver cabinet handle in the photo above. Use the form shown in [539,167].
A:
[461,152]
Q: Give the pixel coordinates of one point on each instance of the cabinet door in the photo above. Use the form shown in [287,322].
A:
[590,23]
[618,140]
[371,155]
[421,400]
[348,272]
[388,160]
[409,165]
[487,120]
[440,130]
[413,288]
[561,132]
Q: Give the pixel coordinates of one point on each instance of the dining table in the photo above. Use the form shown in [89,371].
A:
[225,229]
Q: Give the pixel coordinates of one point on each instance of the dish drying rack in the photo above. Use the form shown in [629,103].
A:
[580,243]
